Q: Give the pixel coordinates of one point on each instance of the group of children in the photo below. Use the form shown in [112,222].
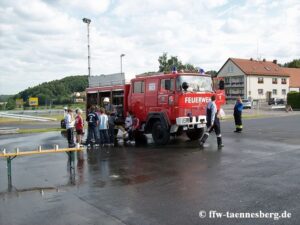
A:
[102,125]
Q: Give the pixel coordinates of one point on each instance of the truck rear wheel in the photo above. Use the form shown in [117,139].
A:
[195,134]
[160,133]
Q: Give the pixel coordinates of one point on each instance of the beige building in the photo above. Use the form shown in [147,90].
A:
[254,79]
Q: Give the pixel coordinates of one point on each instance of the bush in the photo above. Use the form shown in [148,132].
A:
[293,99]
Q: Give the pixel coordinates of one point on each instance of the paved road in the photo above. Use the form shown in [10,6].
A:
[257,170]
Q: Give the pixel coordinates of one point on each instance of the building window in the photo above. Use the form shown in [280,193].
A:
[260,80]
[274,91]
[283,91]
[230,69]
[283,80]
[260,91]
[274,80]
[138,87]
[227,80]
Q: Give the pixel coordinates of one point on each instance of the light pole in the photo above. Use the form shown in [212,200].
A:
[88,21]
[121,56]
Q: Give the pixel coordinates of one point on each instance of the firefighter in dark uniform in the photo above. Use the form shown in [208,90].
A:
[237,113]
[212,123]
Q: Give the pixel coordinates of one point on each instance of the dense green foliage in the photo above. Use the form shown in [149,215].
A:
[55,92]
[166,65]
[293,99]
[294,64]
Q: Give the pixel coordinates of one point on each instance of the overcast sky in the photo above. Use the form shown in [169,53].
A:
[43,40]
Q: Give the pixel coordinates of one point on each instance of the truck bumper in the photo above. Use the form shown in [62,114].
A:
[187,123]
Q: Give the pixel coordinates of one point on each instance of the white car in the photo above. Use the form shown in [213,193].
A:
[247,104]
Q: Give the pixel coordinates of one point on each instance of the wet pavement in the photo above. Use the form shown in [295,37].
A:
[257,170]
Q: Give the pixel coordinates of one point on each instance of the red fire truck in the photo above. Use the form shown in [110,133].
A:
[166,104]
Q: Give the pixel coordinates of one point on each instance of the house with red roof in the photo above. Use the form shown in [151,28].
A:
[294,74]
[254,79]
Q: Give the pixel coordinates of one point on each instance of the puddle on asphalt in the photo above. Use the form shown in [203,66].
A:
[14,192]
[118,180]
[126,180]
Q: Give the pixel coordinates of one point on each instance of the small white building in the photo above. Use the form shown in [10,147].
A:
[254,79]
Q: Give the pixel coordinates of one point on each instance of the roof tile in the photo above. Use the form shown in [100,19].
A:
[257,67]
[294,74]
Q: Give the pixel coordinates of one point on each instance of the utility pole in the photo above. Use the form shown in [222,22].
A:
[88,21]
[121,56]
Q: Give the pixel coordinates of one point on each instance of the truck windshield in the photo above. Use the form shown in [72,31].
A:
[194,83]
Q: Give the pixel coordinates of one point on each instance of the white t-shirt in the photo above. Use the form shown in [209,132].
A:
[69,121]
[103,125]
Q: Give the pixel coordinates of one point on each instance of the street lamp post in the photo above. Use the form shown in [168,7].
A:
[121,56]
[88,21]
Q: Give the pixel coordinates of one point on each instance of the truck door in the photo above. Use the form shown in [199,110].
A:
[166,94]
[137,105]
[151,94]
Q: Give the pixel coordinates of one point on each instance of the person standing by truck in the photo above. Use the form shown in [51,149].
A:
[212,123]
[69,121]
[93,122]
[79,125]
[128,125]
[103,127]
[237,114]
[111,127]
[135,127]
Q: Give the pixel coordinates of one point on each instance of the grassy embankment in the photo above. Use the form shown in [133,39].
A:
[14,122]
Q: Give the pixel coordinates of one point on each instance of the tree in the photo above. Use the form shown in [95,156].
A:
[57,91]
[11,104]
[294,64]
[213,73]
[167,65]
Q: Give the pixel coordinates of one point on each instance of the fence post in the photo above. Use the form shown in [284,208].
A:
[9,159]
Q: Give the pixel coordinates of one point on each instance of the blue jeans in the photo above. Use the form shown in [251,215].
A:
[93,133]
[104,139]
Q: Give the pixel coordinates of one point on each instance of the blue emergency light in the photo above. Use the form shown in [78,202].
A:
[174,69]
[201,71]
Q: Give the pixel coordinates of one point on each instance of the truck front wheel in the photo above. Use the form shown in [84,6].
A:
[195,134]
[160,133]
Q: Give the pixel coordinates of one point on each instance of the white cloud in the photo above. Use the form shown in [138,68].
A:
[42,40]
[87,6]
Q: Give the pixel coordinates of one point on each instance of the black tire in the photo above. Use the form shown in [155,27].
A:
[195,134]
[160,133]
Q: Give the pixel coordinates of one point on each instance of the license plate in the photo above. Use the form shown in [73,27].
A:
[200,125]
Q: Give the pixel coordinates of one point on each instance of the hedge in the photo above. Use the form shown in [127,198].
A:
[293,99]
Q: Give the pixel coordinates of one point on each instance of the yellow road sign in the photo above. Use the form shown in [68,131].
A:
[33,101]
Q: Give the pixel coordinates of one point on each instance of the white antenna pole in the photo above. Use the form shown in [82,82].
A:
[257,49]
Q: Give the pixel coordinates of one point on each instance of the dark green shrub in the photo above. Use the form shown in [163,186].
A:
[293,99]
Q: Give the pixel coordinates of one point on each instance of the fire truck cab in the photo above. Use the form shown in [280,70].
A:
[165,104]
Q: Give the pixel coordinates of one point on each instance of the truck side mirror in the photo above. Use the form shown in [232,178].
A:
[221,85]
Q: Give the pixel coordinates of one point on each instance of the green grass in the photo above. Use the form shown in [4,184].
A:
[14,120]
